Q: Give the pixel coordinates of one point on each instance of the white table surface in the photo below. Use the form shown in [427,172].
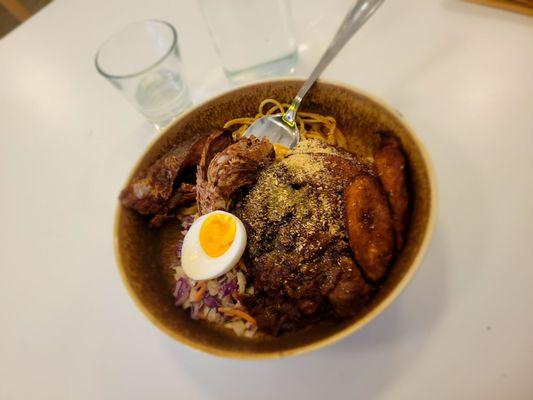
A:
[462,74]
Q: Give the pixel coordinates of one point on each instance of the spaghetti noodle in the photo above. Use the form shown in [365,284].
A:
[310,125]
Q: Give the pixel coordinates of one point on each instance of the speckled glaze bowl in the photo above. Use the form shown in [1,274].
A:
[144,255]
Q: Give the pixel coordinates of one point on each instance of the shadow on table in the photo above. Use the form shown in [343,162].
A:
[363,365]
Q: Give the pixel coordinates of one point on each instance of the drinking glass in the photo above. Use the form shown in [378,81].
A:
[144,63]
[254,38]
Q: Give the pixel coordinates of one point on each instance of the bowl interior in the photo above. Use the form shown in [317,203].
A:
[145,255]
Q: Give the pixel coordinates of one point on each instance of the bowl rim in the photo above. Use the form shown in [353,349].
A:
[360,323]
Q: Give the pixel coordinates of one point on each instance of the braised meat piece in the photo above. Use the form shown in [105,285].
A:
[391,169]
[298,257]
[215,143]
[351,292]
[230,170]
[370,226]
[185,194]
[153,187]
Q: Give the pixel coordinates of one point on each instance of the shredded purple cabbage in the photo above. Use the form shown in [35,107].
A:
[211,302]
[227,285]
[181,293]
[227,288]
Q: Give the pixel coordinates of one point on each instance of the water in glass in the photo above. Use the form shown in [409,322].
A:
[161,95]
[254,40]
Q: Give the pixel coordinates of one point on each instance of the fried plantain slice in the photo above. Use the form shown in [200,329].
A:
[370,226]
[390,164]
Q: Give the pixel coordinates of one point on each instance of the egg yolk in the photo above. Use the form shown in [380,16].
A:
[217,234]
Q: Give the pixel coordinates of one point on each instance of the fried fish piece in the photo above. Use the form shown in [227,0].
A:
[153,187]
[370,226]
[390,165]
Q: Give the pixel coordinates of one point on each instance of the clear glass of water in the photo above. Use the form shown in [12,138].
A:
[144,63]
[254,39]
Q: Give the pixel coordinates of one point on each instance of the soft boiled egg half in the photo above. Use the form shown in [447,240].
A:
[213,245]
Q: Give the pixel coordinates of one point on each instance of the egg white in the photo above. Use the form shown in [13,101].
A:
[197,264]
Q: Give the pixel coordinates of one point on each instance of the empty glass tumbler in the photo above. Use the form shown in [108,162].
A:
[254,38]
[144,63]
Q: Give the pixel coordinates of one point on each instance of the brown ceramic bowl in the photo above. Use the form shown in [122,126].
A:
[144,255]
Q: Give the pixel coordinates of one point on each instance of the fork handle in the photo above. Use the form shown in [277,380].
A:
[356,17]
